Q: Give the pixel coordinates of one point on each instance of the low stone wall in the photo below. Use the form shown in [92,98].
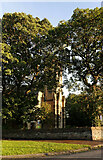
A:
[92,133]
[97,133]
[57,134]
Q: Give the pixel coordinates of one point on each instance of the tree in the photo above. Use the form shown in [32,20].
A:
[45,115]
[0,76]
[21,63]
[86,54]
[78,45]
[51,47]
[86,41]
[77,111]
[84,110]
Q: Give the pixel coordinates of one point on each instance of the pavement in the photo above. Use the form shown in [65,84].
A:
[96,154]
[94,145]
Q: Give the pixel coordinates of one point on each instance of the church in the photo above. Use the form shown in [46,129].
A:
[57,101]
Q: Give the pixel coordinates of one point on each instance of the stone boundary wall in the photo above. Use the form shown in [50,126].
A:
[97,133]
[92,133]
[56,134]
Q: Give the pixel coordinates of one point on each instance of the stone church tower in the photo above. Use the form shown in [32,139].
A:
[57,102]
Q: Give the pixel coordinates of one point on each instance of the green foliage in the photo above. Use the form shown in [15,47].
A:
[85,109]
[78,47]
[86,33]
[86,44]
[76,109]
[77,44]
[45,115]
[21,64]
[34,52]
[96,105]
[46,110]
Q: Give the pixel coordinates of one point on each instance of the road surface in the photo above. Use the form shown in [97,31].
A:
[89,155]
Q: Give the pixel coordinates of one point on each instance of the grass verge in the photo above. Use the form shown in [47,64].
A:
[31,147]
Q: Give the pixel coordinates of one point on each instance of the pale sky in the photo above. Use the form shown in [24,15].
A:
[53,11]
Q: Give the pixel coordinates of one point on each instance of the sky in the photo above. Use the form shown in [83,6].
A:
[53,11]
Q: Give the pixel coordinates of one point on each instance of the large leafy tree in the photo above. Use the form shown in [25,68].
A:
[86,55]
[78,47]
[84,110]
[78,44]
[86,42]
[21,63]
[86,34]
[75,45]
[51,47]
[77,111]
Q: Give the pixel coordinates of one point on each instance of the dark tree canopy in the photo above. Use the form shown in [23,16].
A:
[78,44]
[78,47]
[34,53]
[84,109]
[21,63]
[86,41]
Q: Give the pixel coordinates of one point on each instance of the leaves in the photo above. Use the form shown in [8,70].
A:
[20,63]
[78,43]
[84,109]
[34,53]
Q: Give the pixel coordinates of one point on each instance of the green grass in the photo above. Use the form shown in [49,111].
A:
[31,147]
[0,147]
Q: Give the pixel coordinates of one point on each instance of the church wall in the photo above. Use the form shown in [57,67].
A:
[57,103]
